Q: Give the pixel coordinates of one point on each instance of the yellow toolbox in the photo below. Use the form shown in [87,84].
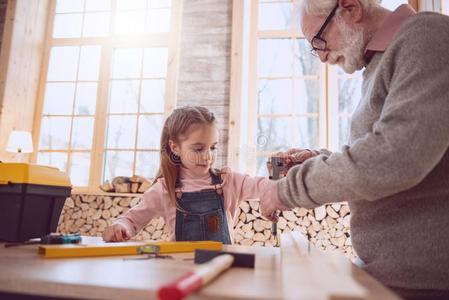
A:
[31,200]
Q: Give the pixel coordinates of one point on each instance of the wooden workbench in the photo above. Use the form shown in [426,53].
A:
[292,272]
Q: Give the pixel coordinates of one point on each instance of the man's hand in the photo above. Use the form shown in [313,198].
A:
[293,156]
[290,158]
[296,156]
[116,233]
[281,155]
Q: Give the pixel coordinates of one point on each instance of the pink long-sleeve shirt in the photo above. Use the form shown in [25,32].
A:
[236,187]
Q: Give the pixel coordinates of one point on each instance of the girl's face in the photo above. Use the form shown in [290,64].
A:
[198,151]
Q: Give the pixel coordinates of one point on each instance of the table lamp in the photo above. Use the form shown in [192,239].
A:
[20,142]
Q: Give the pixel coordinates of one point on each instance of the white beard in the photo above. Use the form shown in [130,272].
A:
[352,53]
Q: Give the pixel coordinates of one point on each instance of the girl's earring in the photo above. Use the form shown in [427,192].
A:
[176,159]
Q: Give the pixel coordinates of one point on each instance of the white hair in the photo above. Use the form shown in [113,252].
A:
[324,7]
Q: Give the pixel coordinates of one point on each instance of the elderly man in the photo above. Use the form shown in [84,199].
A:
[394,171]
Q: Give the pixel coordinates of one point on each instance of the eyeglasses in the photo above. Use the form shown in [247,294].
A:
[318,43]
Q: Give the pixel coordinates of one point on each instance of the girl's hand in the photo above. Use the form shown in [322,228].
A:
[270,207]
[116,233]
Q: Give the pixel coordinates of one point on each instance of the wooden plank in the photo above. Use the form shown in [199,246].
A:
[331,275]
[295,279]
[315,274]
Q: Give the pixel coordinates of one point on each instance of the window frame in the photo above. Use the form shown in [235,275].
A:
[171,40]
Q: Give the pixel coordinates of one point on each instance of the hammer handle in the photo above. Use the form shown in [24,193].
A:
[191,281]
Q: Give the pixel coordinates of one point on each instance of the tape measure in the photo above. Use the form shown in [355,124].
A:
[61,239]
[53,238]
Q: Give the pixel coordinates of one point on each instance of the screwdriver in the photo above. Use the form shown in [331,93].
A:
[52,238]
[277,168]
[274,225]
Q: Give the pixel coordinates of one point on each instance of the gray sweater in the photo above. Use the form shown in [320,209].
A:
[394,172]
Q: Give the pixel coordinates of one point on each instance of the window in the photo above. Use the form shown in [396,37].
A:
[440,6]
[445,7]
[294,100]
[393,4]
[104,87]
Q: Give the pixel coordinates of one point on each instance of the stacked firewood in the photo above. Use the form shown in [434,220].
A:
[327,226]
[91,214]
[125,185]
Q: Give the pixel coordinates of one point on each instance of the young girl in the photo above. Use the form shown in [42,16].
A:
[196,201]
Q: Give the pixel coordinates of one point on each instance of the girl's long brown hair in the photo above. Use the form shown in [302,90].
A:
[176,128]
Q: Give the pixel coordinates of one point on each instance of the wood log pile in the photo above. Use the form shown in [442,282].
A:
[126,185]
[327,226]
[91,214]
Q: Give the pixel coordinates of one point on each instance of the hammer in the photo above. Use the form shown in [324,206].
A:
[211,264]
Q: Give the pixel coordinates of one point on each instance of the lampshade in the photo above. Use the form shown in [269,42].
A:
[20,142]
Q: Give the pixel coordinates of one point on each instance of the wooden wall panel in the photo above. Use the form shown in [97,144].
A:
[20,65]
[205,61]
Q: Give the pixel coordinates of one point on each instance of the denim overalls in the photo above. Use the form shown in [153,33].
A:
[204,217]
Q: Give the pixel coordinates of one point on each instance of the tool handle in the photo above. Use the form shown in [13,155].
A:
[31,242]
[274,222]
[274,228]
[191,281]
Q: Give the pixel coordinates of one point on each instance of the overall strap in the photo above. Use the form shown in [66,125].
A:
[217,181]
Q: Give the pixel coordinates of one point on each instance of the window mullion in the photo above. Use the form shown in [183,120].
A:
[252,107]
[294,119]
[138,115]
[42,83]
[99,136]
[173,58]
[333,111]
[97,157]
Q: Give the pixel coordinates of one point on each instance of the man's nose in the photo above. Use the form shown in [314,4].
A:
[323,55]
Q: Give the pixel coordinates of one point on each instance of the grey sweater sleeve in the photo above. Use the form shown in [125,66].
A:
[405,143]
